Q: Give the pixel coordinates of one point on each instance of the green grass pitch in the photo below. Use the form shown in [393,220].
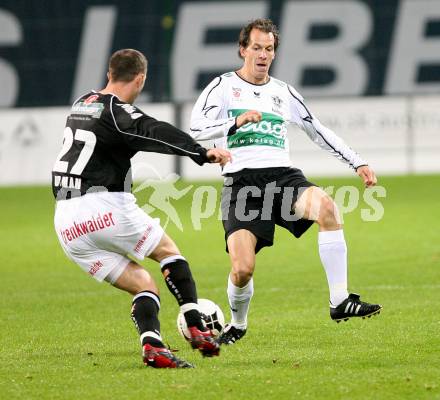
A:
[64,336]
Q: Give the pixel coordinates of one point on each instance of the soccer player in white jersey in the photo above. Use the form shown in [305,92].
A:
[97,220]
[247,112]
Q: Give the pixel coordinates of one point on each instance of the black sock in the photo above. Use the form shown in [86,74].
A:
[193,318]
[181,284]
[144,314]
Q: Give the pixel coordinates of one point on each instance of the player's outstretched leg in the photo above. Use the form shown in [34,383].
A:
[181,284]
[241,246]
[145,315]
[318,206]
[239,299]
[352,306]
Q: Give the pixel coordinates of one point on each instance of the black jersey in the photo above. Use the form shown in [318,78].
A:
[102,134]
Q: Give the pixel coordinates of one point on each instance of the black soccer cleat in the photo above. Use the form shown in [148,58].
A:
[352,306]
[161,357]
[231,334]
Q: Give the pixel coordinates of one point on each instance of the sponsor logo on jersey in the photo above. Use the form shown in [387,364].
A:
[142,240]
[81,228]
[131,110]
[90,109]
[270,131]
[95,267]
[257,94]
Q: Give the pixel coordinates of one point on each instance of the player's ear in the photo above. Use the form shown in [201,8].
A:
[139,80]
[242,52]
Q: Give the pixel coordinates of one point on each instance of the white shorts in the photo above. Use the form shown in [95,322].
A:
[99,230]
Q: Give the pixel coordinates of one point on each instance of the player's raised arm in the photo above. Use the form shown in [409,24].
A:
[206,121]
[321,135]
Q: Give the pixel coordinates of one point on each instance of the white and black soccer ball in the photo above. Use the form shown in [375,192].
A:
[212,316]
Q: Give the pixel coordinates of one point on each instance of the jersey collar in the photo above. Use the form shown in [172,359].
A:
[250,83]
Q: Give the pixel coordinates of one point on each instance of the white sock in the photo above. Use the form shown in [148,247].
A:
[333,253]
[239,299]
[189,306]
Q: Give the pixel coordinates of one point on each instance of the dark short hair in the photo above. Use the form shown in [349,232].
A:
[126,64]
[262,24]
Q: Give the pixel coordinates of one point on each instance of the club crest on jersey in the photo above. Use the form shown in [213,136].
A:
[91,99]
[236,92]
[276,101]
[276,104]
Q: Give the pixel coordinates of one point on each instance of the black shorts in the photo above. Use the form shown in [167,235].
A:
[258,199]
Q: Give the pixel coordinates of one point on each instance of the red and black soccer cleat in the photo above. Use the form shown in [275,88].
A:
[203,341]
[161,357]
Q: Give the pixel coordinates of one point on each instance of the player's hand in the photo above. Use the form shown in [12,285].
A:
[367,175]
[248,116]
[219,156]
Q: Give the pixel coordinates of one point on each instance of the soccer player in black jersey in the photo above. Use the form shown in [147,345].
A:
[97,220]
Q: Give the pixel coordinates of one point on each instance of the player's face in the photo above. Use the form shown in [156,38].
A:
[259,54]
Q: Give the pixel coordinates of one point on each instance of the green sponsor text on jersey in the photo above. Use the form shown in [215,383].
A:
[270,131]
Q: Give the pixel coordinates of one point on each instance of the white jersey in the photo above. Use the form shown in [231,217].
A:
[264,144]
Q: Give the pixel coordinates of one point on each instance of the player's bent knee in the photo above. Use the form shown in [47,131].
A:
[243,270]
[136,279]
[146,282]
[164,249]
[243,276]
[328,213]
